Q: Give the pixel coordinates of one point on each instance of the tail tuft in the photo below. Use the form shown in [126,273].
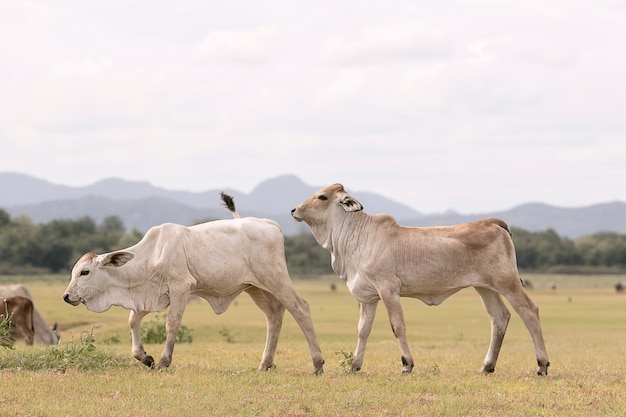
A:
[229,203]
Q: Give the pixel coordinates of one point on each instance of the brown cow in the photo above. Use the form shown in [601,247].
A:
[43,333]
[381,260]
[18,311]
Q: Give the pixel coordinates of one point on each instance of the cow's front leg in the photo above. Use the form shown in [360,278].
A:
[134,320]
[172,325]
[367,313]
[391,299]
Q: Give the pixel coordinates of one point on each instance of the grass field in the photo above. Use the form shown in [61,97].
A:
[584,323]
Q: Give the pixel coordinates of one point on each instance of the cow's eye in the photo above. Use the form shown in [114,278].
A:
[84,272]
[323,198]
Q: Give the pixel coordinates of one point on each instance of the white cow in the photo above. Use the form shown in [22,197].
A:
[381,260]
[215,260]
[43,334]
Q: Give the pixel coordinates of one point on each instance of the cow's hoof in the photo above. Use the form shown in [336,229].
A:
[319,367]
[543,369]
[162,365]
[148,361]
[487,370]
[266,368]
[407,365]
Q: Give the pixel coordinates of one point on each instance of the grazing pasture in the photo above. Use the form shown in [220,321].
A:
[583,319]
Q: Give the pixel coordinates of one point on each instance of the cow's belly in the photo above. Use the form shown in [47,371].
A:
[219,302]
[433,290]
[431,299]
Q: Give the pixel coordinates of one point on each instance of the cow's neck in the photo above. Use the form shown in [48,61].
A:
[344,240]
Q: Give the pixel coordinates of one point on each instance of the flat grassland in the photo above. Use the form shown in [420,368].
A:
[583,319]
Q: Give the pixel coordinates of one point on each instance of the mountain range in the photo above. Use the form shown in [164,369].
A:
[141,205]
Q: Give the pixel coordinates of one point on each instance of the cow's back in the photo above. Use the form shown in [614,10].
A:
[436,252]
[237,249]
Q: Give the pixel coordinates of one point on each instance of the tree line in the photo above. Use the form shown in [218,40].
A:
[53,247]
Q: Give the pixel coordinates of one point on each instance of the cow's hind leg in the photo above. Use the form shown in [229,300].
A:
[134,320]
[499,315]
[529,312]
[274,313]
[299,309]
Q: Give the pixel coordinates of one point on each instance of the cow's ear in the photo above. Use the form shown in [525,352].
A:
[350,204]
[118,258]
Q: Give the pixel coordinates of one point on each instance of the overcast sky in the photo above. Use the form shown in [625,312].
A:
[474,106]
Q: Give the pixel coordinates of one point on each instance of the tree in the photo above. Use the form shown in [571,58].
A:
[18,245]
[130,239]
[112,224]
[525,249]
[305,256]
[541,250]
[603,249]
[56,245]
[5,218]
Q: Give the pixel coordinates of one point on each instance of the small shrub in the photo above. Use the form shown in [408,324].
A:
[227,335]
[154,331]
[346,360]
[6,338]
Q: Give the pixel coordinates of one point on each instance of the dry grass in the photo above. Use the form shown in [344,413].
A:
[583,323]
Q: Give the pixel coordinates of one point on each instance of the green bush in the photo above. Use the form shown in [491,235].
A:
[81,355]
[6,339]
[153,331]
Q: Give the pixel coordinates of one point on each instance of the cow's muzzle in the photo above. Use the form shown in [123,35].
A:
[66,298]
[295,215]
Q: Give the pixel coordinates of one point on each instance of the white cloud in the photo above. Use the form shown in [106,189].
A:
[476,105]
[238,47]
[388,45]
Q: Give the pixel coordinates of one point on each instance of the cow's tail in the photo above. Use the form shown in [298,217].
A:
[229,203]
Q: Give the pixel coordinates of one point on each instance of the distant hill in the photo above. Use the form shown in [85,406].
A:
[141,205]
[569,222]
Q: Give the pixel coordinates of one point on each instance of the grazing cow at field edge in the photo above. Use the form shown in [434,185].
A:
[18,311]
[381,260]
[215,260]
[43,334]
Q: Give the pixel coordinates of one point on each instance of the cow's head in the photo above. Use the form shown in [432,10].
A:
[92,277]
[320,207]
